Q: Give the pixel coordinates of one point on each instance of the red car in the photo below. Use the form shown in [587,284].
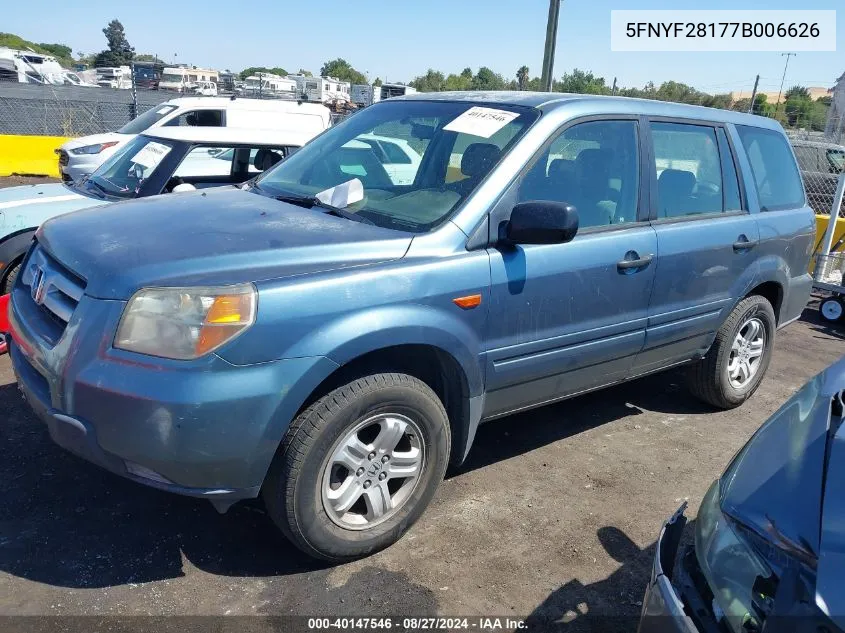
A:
[4,321]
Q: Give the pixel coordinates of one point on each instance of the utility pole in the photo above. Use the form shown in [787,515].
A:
[613,90]
[753,95]
[787,55]
[551,40]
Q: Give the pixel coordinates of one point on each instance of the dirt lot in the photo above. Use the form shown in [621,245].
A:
[554,515]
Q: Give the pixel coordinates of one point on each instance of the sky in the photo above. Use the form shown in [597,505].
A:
[397,40]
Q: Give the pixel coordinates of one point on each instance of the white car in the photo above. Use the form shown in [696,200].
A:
[399,159]
[81,156]
[155,162]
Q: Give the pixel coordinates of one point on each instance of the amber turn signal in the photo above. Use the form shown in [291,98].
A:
[468,302]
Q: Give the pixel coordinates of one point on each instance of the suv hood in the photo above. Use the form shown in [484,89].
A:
[219,236]
[788,484]
[93,139]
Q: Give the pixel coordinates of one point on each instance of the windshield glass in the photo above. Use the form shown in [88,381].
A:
[143,122]
[452,146]
[123,174]
[837,159]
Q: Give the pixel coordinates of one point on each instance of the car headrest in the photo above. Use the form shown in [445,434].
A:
[676,182]
[265,159]
[478,158]
[561,167]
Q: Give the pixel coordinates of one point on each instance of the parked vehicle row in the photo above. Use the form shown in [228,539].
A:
[79,157]
[330,334]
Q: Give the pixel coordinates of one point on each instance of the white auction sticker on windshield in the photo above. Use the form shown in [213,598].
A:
[151,154]
[165,109]
[483,122]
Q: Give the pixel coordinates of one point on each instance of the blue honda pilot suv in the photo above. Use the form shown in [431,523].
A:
[329,339]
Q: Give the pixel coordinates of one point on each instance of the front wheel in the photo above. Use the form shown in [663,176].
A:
[358,467]
[734,366]
[831,309]
[9,281]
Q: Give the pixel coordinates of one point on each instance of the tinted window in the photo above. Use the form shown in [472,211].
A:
[394,154]
[836,158]
[201,118]
[773,167]
[594,166]
[689,171]
[141,123]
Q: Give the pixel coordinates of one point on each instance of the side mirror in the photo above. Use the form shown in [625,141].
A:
[541,222]
[185,186]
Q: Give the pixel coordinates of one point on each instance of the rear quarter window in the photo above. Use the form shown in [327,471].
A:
[773,169]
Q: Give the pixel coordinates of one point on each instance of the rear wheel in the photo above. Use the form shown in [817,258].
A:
[358,467]
[831,309]
[734,366]
[11,276]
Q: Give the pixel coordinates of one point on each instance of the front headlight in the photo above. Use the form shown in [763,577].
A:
[185,323]
[92,149]
[729,564]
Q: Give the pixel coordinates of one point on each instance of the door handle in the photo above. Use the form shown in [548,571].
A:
[744,244]
[629,264]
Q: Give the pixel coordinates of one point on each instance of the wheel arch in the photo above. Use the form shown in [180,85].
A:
[13,247]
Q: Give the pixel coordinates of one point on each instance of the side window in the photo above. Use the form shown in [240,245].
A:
[395,155]
[732,200]
[202,118]
[775,173]
[594,166]
[689,170]
[205,161]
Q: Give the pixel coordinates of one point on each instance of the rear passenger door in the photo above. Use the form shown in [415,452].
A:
[706,239]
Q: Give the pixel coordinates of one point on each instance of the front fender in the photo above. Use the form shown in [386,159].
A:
[14,247]
[353,335]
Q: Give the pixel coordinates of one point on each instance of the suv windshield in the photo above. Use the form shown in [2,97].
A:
[143,122]
[458,144]
[123,174]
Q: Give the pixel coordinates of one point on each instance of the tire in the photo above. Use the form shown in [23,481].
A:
[710,378]
[304,468]
[831,309]
[9,281]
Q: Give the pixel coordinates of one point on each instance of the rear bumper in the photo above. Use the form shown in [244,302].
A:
[663,610]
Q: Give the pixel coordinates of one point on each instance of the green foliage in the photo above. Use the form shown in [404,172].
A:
[119,52]
[341,69]
[146,57]
[432,81]
[62,53]
[377,82]
[797,91]
[522,77]
[486,79]
[459,82]
[581,82]
[252,70]
[305,73]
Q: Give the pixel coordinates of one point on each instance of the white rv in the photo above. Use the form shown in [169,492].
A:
[30,67]
[322,89]
[396,90]
[182,78]
[119,77]
[269,85]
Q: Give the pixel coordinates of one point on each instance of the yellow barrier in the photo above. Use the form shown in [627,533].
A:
[30,155]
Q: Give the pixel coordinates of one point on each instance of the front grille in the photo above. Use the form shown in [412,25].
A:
[63,157]
[51,291]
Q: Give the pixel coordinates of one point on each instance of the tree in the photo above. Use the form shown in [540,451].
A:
[486,79]
[377,82]
[146,57]
[119,52]
[459,82]
[254,70]
[57,50]
[431,81]
[581,82]
[341,69]
[305,73]
[522,76]
[797,91]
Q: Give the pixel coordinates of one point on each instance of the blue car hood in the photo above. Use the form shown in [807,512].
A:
[27,206]
[217,237]
[788,484]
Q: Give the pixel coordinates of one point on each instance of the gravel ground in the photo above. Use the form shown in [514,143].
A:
[554,516]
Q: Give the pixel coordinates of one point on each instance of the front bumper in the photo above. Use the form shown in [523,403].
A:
[663,611]
[203,428]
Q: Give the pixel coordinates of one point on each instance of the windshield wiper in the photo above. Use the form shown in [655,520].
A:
[102,190]
[310,202]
